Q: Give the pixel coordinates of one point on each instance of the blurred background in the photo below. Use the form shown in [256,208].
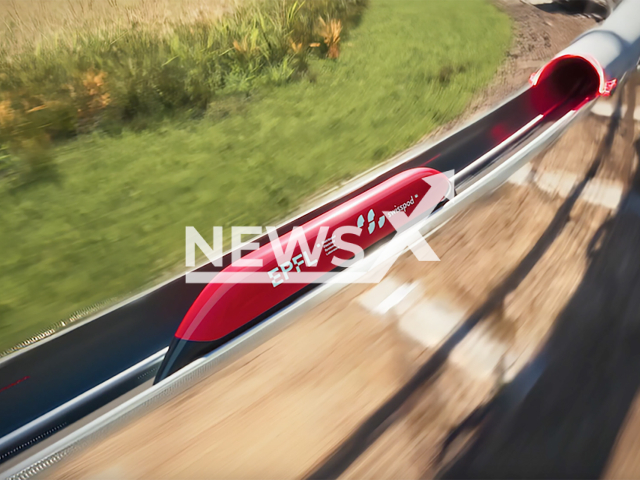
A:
[123,121]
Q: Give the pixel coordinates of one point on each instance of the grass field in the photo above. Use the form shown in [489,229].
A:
[26,22]
[112,218]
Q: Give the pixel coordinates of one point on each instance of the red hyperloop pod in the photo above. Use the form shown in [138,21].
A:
[230,306]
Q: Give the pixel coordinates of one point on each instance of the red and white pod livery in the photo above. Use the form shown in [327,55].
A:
[248,290]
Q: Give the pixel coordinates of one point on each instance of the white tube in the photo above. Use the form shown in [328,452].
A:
[612,49]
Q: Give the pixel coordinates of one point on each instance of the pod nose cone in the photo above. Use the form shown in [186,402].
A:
[180,354]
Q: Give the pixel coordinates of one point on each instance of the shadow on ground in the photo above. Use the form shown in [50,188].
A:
[576,7]
[561,415]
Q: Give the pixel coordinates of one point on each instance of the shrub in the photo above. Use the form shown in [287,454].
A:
[330,32]
[109,78]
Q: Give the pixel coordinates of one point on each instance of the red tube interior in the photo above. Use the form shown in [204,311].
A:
[571,80]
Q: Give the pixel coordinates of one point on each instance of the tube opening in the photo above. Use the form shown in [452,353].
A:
[569,79]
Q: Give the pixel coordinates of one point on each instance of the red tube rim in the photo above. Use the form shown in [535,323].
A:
[605,86]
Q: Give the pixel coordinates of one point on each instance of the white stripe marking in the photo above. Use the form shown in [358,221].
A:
[601,192]
[395,298]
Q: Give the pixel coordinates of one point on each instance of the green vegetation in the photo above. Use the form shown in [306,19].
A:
[127,76]
[110,217]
